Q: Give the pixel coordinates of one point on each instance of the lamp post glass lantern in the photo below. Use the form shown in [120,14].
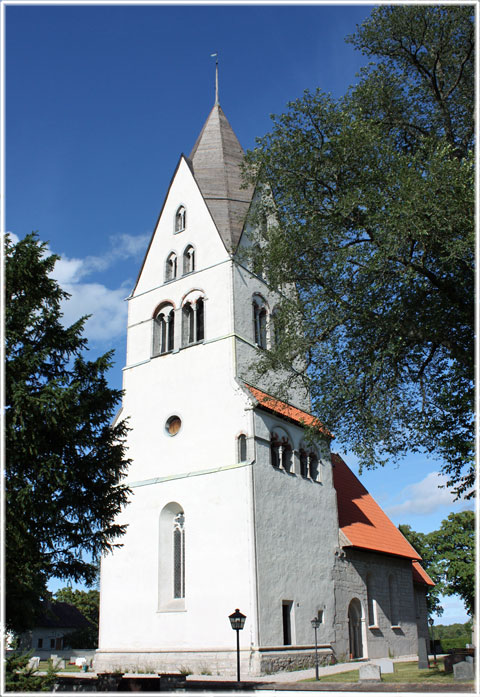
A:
[237,620]
[316,625]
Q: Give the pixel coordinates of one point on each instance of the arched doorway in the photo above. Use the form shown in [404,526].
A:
[355,628]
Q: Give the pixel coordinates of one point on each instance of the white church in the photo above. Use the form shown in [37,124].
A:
[232,506]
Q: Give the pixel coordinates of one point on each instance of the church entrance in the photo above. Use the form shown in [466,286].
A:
[355,628]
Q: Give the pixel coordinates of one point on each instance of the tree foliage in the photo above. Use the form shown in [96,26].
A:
[368,210]
[64,459]
[420,542]
[448,556]
[20,677]
[88,603]
[454,546]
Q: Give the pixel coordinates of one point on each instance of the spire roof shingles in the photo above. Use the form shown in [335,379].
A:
[215,159]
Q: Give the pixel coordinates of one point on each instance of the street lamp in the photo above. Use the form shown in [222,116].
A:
[316,625]
[430,622]
[237,620]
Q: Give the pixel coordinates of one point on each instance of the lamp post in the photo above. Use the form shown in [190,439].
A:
[430,622]
[315,625]
[237,620]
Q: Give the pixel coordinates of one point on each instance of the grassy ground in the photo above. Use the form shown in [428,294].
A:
[404,673]
[68,669]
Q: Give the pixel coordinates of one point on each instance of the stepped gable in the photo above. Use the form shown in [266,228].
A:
[362,520]
[215,161]
[285,410]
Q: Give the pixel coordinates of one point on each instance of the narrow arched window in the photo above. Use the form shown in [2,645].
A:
[200,314]
[180,219]
[392,598]
[188,326]
[286,456]
[242,447]
[164,331]
[371,603]
[189,260]
[303,463]
[171,267]
[313,466]
[179,556]
[260,322]
[274,452]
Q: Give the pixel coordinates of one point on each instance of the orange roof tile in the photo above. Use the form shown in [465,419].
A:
[362,520]
[301,417]
[420,575]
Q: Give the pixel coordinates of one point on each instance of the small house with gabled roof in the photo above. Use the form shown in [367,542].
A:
[236,501]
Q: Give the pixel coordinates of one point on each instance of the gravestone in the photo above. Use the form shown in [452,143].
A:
[59,664]
[422,654]
[463,671]
[80,661]
[385,664]
[33,662]
[369,672]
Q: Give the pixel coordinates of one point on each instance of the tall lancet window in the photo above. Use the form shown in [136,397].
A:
[164,331]
[179,556]
[180,219]
[200,330]
[260,322]
[171,267]
[189,260]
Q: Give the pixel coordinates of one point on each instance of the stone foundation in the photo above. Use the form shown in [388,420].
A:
[253,662]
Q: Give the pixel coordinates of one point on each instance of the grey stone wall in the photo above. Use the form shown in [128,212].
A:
[296,534]
[245,285]
[350,575]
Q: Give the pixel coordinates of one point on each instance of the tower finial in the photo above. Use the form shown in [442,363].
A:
[215,55]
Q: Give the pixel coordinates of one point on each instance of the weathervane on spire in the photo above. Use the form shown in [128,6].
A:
[215,55]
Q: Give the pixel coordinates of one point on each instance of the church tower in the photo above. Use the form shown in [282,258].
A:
[232,505]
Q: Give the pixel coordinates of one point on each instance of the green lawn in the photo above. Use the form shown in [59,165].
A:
[43,666]
[404,673]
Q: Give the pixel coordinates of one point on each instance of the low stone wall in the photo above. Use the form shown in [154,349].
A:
[253,662]
[286,658]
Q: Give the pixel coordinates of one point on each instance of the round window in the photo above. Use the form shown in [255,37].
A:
[173,425]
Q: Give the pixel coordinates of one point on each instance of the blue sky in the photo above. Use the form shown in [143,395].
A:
[100,103]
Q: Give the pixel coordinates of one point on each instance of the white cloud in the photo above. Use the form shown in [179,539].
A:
[105,305]
[425,497]
[121,247]
[13,237]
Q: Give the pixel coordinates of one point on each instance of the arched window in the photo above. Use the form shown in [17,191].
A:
[164,331]
[277,327]
[303,463]
[193,322]
[179,556]
[242,447]
[392,599]
[260,321]
[171,555]
[188,324]
[200,314]
[188,260]
[313,466]
[171,267]
[180,219]
[371,603]
[281,452]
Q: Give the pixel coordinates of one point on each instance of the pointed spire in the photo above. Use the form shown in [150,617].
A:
[216,159]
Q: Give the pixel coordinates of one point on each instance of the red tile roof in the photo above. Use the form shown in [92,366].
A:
[420,575]
[362,520]
[287,411]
